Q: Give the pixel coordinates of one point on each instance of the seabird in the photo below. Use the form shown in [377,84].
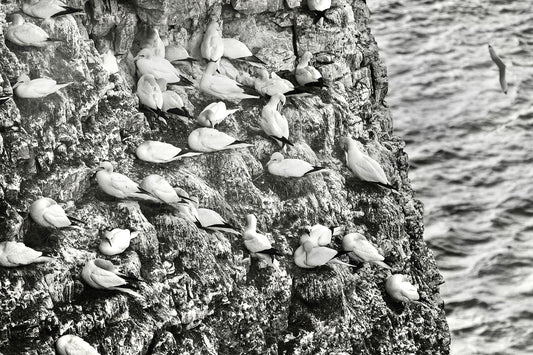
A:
[310,256]
[154,42]
[173,103]
[363,166]
[176,53]
[47,9]
[36,88]
[160,152]
[212,47]
[267,86]
[160,68]
[258,244]
[307,75]
[235,49]
[73,345]
[501,68]
[208,140]
[273,123]
[211,220]
[158,187]
[400,289]
[116,241]
[149,93]
[360,249]
[109,62]
[321,235]
[319,7]
[26,34]
[223,87]
[119,185]
[102,274]
[13,254]
[213,114]
[280,166]
[47,213]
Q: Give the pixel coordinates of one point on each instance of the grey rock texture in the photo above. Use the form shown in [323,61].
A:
[202,296]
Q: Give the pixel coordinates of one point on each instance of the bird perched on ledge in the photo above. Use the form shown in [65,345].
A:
[27,34]
[209,140]
[36,88]
[119,185]
[47,9]
[116,241]
[309,256]
[213,114]
[13,254]
[258,244]
[74,345]
[273,123]
[102,274]
[212,47]
[278,165]
[148,63]
[161,152]
[360,249]
[47,213]
[307,75]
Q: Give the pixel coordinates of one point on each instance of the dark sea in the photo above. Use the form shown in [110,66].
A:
[471,154]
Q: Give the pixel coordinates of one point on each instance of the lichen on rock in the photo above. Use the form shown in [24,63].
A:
[202,294]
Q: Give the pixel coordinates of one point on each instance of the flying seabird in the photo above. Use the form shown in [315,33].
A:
[273,123]
[212,47]
[258,244]
[211,140]
[278,165]
[116,241]
[363,166]
[36,88]
[119,185]
[47,9]
[102,274]
[223,87]
[501,68]
[160,152]
[213,114]
[74,345]
[360,249]
[47,213]
[13,254]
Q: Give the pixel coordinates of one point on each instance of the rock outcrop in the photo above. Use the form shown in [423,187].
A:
[202,295]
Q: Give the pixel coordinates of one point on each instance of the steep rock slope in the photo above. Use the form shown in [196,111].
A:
[201,294]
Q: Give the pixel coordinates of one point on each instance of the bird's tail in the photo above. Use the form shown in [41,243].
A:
[180,112]
[381,263]
[252,59]
[315,170]
[68,10]
[338,230]
[185,153]
[298,91]
[3,99]
[232,111]
[337,261]
[76,220]
[43,259]
[239,144]
[128,291]
[188,59]
[61,86]
[319,15]
[228,228]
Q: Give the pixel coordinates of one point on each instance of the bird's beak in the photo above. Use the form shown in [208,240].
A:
[269,162]
[18,83]
[94,170]
[109,241]
[211,123]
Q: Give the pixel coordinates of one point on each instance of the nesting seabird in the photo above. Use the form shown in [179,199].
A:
[102,274]
[149,93]
[278,165]
[362,165]
[208,140]
[400,289]
[161,152]
[258,244]
[360,249]
[36,88]
[148,63]
[273,123]
[153,42]
[74,345]
[307,75]
[267,86]
[176,53]
[212,47]
[160,188]
[223,87]
[235,49]
[116,241]
[319,7]
[47,9]
[119,185]
[13,254]
[109,62]
[321,235]
[47,213]
[212,220]
[213,114]
[501,68]
[26,34]
[310,256]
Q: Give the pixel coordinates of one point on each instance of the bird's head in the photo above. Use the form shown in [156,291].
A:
[345,143]
[105,165]
[144,53]
[275,158]
[17,19]
[23,78]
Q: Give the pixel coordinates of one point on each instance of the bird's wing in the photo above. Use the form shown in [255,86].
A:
[43,86]
[56,216]
[123,183]
[320,256]
[19,254]
[257,244]
[106,279]
[222,85]
[295,166]
[365,250]
[29,33]
[209,217]
[217,140]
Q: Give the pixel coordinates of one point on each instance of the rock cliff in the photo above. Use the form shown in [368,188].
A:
[202,295]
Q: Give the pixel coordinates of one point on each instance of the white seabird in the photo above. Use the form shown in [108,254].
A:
[278,165]
[265,85]
[47,213]
[400,289]
[321,235]
[154,42]
[212,47]
[26,34]
[102,274]
[223,87]
[501,68]
[36,88]
[173,103]
[109,62]
[310,256]
[273,123]
[360,249]
[307,75]
[160,68]
[361,165]
[213,114]
[149,93]
[211,220]
[47,9]
[176,53]
[158,187]
[116,241]
[258,244]
[319,7]
[208,140]
[119,185]
[160,152]
[13,254]
[235,49]
[74,345]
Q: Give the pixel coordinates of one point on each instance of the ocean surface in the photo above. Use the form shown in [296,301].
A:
[471,154]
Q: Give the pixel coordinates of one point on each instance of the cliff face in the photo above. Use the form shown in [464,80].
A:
[202,295]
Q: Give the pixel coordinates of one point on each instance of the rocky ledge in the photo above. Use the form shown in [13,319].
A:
[202,295]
